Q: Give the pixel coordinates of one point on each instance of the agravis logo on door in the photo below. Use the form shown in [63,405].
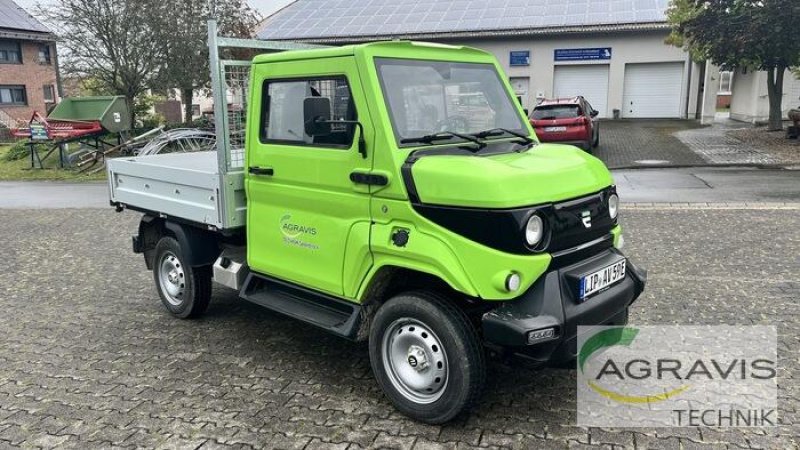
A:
[296,234]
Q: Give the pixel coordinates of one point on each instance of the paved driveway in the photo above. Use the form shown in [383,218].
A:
[645,143]
[53,194]
[89,358]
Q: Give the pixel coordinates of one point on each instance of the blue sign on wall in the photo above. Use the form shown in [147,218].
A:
[581,54]
[520,58]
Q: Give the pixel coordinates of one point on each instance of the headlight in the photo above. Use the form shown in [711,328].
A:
[613,204]
[534,230]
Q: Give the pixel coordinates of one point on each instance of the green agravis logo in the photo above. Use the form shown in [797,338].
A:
[623,336]
[293,230]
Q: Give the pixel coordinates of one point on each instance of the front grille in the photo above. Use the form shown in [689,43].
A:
[504,229]
[568,229]
[582,252]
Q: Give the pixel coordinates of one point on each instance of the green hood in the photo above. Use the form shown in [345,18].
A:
[546,173]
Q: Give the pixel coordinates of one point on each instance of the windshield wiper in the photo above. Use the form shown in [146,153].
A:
[500,131]
[444,135]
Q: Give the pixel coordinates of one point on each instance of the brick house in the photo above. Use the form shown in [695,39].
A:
[28,66]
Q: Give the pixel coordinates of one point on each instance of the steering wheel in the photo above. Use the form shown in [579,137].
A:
[453,123]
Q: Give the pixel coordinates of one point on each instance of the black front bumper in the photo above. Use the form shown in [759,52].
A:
[553,302]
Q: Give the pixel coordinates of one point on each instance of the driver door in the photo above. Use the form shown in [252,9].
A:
[302,207]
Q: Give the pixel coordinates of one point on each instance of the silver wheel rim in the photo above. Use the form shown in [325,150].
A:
[172,278]
[415,360]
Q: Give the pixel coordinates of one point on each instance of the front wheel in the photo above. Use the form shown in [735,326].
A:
[184,290]
[427,357]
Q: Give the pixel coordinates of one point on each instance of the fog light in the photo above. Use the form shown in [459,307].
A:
[613,205]
[545,334]
[513,282]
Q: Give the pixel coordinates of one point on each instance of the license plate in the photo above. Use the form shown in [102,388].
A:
[554,129]
[602,279]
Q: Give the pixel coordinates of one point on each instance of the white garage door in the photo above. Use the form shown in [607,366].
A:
[590,81]
[653,90]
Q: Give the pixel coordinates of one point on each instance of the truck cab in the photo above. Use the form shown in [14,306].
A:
[382,206]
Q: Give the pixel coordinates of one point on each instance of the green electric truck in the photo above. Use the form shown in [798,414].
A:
[393,193]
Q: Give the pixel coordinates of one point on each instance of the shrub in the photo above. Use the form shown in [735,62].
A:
[21,150]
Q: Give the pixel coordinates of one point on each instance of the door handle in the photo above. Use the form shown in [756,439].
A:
[255,170]
[370,179]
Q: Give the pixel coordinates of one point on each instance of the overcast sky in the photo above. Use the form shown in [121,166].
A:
[265,7]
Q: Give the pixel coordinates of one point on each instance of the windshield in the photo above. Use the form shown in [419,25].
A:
[428,97]
[556,112]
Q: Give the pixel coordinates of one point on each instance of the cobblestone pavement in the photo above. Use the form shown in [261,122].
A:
[89,358]
[645,143]
[717,146]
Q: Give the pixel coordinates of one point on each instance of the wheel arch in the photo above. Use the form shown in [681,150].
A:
[390,280]
[199,247]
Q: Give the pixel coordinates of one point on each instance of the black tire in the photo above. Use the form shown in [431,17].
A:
[464,356]
[192,284]
[596,142]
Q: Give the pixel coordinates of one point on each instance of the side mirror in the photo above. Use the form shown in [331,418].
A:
[317,116]
[594,113]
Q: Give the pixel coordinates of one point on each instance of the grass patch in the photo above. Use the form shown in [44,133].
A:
[20,169]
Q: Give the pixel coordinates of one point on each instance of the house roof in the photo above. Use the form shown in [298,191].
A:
[346,20]
[13,17]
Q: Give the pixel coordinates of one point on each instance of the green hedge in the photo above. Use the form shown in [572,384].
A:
[19,150]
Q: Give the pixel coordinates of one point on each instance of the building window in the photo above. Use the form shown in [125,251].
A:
[44,54]
[195,110]
[13,95]
[49,93]
[725,83]
[10,52]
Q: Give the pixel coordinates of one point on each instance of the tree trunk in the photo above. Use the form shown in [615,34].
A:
[775,93]
[186,99]
[129,100]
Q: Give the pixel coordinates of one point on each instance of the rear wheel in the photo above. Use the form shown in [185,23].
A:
[427,357]
[184,290]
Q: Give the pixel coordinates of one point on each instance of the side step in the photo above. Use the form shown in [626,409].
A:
[329,313]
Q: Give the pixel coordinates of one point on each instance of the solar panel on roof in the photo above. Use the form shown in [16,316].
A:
[16,18]
[396,17]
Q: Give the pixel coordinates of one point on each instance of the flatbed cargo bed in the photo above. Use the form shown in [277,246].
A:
[179,185]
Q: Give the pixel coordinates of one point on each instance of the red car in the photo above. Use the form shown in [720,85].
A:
[567,121]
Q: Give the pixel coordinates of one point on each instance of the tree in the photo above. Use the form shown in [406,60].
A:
[112,42]
[184,36]
[755,34]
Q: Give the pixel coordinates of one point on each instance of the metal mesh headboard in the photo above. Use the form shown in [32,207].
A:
[236,78]
[230,80]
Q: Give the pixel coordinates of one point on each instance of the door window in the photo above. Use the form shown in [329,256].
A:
[282,114]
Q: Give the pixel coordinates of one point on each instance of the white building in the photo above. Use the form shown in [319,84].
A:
[610,51]
[749,100]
